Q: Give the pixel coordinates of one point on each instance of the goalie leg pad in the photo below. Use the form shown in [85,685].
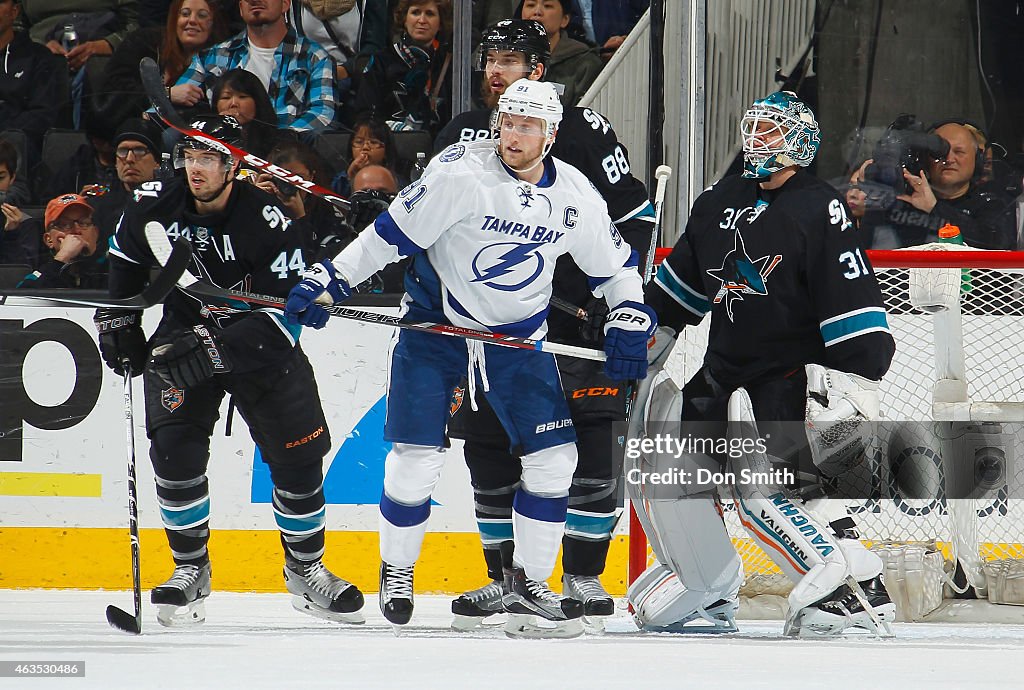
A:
[700,565]
[660,603]
[801,545]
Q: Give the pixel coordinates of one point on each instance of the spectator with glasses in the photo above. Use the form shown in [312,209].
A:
[75,258]
[372,143]
[137,160]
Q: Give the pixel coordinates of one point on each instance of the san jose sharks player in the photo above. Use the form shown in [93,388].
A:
[798,328]
[510,50]
[200,351]
[485,226]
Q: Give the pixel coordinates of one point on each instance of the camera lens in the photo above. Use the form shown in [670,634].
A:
[989,468]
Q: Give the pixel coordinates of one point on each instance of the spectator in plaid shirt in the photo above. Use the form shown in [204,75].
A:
[297,72]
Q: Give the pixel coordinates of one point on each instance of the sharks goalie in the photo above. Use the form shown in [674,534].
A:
[798,343]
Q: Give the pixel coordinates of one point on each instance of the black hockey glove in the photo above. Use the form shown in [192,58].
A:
[193,357]
[592,330]
[121,338]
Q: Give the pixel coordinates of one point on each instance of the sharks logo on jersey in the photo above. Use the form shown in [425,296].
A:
[740,275]
[508,266]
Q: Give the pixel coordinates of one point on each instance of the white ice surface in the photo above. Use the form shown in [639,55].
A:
[259,641]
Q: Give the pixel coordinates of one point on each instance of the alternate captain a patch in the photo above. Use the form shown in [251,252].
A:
[740,275]
[172,398]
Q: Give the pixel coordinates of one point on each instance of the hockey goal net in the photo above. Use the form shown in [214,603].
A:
[958,319]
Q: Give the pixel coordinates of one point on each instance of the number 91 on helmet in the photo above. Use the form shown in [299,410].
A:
[528,108]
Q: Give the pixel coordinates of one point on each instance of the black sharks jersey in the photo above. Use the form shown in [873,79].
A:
[785,278]
[587,141]
[247,247]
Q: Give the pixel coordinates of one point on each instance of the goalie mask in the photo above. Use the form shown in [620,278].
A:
[526,98]
[778,131]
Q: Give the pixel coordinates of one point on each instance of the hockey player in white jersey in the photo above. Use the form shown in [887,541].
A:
[484,226]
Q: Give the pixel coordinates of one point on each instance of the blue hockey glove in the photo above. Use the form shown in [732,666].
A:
[317,279]
[626,332]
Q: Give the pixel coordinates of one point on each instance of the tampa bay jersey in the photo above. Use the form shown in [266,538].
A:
[493,239]
[250,246]
[784,277]
[587,141]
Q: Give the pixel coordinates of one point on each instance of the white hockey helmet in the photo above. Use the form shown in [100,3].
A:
[532,99]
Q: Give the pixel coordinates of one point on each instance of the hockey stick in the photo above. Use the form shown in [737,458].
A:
[119,618]
[153,84]
[176,262]
[569,308]
[662,173]
[159,244]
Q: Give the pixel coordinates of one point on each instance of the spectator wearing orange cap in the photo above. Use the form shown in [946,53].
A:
[74,259]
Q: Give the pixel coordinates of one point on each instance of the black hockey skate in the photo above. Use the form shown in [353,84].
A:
[597,603]
[319,592]
[531,602]
[588,589]
[845,610]
[396,600]
[474,606]
[180,600]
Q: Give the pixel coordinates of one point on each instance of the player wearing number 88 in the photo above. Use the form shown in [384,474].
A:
[201,350]
[797,328]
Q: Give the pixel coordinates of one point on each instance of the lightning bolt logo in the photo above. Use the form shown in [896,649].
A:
[509,260]
[740,275]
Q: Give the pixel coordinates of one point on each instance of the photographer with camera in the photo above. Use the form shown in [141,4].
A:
[917,181]
[373,188]
[316,221]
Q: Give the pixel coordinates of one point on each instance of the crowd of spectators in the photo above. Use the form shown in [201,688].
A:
[322,87]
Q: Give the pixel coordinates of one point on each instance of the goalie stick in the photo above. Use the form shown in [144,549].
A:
[159,244]
[176,261]
[119,618]
[153,84]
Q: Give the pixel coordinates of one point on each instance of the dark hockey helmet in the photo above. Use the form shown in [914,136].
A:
[523,35]
[223,128]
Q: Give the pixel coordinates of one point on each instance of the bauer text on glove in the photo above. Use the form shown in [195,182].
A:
[627,330]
